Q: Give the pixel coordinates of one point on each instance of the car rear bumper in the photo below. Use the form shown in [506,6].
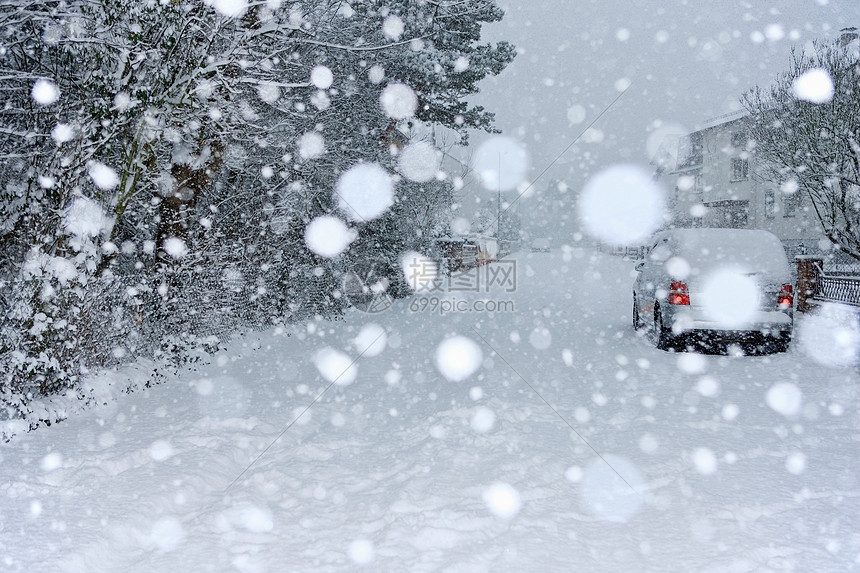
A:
[764,323]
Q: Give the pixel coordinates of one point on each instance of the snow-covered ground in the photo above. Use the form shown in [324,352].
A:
[729,463]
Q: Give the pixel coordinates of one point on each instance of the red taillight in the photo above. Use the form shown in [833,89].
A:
[785,298]
[678,293]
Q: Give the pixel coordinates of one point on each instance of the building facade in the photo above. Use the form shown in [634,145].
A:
[716,184]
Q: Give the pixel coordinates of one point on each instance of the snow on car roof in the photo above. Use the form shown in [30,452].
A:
[752,249]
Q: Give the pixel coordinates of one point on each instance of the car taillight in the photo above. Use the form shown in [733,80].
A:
[678,293]
[785,298]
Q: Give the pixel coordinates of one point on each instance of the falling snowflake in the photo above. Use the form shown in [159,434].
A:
[371,340]
[461,64]
[62,133]
[85,218]
[364,192]
[419,161]
[311,145]
[420,271]
[398,101]
[815,86]
[322,77]
[503,500]
[393,27]
[335,366]
[104,177]
[167,534]
[328,236]
[501,163]
[361,551]
[831,335]
[705,461]
[483,419]
[785,398]
[622,205]
[376,74]
[230,8]
[45,92]
[175,247]
[268,92]
[458,357]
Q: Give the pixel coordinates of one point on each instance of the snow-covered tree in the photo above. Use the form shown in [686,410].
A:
[160,162]
[503,223]
[806,128]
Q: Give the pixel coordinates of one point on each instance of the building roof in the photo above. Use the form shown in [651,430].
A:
[723,119]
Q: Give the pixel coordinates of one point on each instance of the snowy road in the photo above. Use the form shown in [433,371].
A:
[401,470]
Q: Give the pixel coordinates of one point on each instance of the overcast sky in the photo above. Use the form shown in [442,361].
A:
[685,62]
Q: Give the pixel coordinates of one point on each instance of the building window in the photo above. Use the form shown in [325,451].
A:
[769,203]
[731,214]
[690,150]
[789,203]
[739,140]
[737,215]
[740,169]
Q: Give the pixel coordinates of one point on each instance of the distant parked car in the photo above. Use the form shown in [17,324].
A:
[540,245]
[714,285]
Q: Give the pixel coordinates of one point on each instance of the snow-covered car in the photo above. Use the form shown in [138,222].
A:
[714,285]
[540,245]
